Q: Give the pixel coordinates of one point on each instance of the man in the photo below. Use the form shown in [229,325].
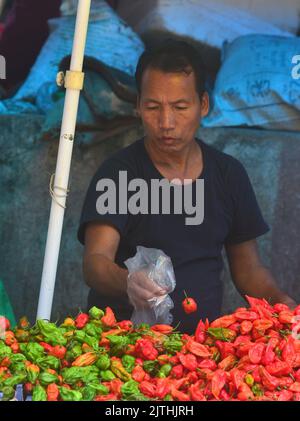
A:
[171,102]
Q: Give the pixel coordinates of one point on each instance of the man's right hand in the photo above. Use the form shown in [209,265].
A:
[141,288]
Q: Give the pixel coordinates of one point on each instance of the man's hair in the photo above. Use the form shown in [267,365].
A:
[172,56]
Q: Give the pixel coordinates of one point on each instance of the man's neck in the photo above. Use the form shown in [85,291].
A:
[175,160]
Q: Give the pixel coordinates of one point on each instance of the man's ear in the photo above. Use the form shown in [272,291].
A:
[204,104]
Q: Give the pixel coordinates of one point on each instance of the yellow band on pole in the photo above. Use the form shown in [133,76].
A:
[71,80]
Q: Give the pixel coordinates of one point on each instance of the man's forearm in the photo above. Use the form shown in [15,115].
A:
[104,276]
[262,284]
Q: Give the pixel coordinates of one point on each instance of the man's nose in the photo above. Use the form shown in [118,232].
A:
[166,119]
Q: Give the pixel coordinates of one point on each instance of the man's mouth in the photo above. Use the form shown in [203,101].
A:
[167,138]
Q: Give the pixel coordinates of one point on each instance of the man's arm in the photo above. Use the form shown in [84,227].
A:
[102,274]
[251,277]
[100,271]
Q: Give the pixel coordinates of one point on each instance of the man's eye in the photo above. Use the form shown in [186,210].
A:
[154,107]
[181,108]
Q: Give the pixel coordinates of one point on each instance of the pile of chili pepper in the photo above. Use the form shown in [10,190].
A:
[252,354]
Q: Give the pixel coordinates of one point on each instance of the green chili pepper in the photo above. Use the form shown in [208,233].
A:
[14,380]
[107,375]
[82,337]
[257,390]
[74,352]
[173,343]
[164,370]
[96,313]
[103,362]
[39,393]
[118,369]
[152,367]
[128,362]
[168,398]
[100,388]
[51,333]
[48,362]
[33,351]
[47,378]
[130,391]
[222,333]
[249,380]
[70,395]
[92,330]
[88,393]
[5,350]
[117,344]
[8,393]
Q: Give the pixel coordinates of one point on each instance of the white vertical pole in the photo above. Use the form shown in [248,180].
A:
[63,166]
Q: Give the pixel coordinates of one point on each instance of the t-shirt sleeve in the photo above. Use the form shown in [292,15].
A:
[101,202]
[247,221]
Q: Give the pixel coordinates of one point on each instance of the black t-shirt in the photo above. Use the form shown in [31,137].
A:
[231,216]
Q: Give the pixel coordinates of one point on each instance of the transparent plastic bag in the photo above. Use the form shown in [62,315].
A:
[158,267]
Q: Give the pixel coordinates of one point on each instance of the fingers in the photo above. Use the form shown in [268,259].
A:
[141,288]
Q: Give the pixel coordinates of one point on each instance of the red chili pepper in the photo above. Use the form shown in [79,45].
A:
[224,321]
[236,327]
[198,349]
[9,337]
[109,319]
[225,348]
[246,315]
[15,347]
[218,382]
[285,395]
[138,373]
[286,317]
[115,386]
[288,351]
[58,351]
[109,397]
[189,361]
[177,371]
[52,392]
[295,387]
[224,395]
[125,324]
[246,394]
[269,382]
[81,320]
[270,355]
[174,360]
[163,388]
[280,307]
[246,327]
[179,396]
[227,363]
[196,394]
[261,325]
[297,396]
[256,353]
[162,328]
[211,364]
[189,305]
[148,389]
[200,334]
[279,368]
[145,349]
[237,377]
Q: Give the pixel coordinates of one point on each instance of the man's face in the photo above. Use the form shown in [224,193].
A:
[170,108]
